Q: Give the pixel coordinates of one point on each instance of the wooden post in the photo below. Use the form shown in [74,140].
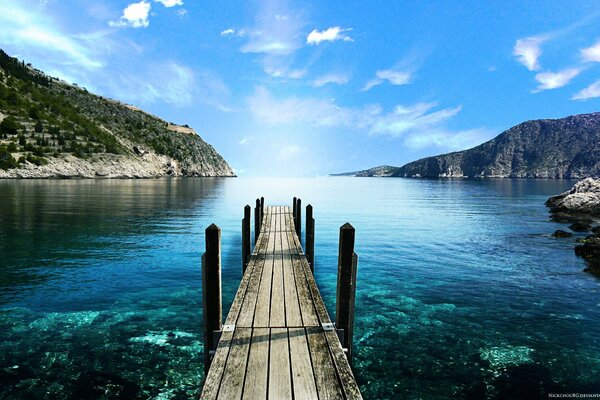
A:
[346,287]
[211,292]
[246,237]
[299,220]
[294,212]
[310,237]
[256,221]
[262,210]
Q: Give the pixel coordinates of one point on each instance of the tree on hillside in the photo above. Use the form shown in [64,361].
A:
[9,126]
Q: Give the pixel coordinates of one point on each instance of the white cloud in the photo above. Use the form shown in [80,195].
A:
[182,12]
[329,35]
[170,3]
[134,15]
[394,77]
[246,140]
[528,51]
[228,32]
[271,110]
[591,54]
[338,79]
[169,83]
[589,92]
[554,80]
[414,118]
[37,34]
[419,125]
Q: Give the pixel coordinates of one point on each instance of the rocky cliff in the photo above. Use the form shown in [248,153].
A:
[49,128]
[548,148]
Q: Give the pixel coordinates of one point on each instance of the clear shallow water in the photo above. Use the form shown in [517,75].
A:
[461,291]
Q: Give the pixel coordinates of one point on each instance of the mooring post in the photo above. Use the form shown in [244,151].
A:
[294,212]
[299,219]
[211,292]
[256,221]
[310,237]
[246,238]
[346,288]
[262,210]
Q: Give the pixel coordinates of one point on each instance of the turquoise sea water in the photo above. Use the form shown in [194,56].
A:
[461,292]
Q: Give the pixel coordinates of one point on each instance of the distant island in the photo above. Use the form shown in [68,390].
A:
[52,129]
[546,148]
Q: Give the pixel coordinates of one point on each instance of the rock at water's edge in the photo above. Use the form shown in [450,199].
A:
[583,198]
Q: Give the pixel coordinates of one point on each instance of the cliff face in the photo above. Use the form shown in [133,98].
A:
[49,129]
[559,148]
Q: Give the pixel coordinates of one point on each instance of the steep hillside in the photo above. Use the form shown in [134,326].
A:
[548,148]
[49,128]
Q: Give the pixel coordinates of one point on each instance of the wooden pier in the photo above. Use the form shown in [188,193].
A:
[278,341]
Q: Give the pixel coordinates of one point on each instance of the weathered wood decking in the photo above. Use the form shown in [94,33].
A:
[278,341]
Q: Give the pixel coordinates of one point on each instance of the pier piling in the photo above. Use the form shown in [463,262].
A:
[299,219]
[310,238]
[211,292]
[246,237]
[256,221]
[346,287]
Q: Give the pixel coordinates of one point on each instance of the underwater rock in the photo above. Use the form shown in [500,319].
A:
[589,250]
[580,227]
[103,385]
[559,233]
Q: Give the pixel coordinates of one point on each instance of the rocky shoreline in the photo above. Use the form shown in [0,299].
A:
[580,207]
[149,165]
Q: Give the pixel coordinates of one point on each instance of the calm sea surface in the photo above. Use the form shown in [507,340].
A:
[461,291]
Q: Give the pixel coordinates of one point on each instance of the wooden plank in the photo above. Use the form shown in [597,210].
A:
[212,382]
[328,386]
[348,383]
[246,315]
[277,294]
[280,380]
[255,386]
[307,308]
[263,303]
[293,316]
[232,383]
[302,371]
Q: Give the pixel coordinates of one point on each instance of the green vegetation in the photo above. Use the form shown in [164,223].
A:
[45,117]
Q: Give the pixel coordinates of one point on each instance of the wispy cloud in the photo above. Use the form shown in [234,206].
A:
[328,35]
[170,3]
[169,83]
[592,53]
[134,15]
[319,112]
[417,117]
[528,51]
[589,92]
[450,140]
[419,125]
[276,31]
[35,32]
[244,141]
[338,79]
[555,80]
[394,77]
[228,32]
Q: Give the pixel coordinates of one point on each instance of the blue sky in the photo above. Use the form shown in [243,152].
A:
[310,88]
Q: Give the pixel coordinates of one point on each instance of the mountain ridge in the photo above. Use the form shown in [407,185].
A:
[52,129]
[566,147]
